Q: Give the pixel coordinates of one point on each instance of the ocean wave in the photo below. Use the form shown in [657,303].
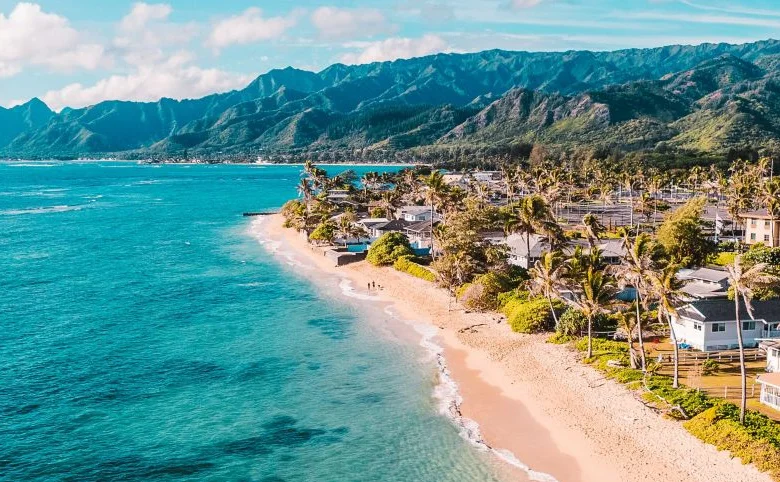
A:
[257,231]
[450,401]
[35,164]
[41,210]
[349,291]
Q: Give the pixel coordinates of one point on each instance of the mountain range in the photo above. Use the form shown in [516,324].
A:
[705,98]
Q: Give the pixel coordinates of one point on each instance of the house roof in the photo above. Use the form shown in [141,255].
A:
[723,310]
[760,214]
[706,274]
[394,225]
[701,290]
[769,379]
[415,209]
[611,248]
[421,227]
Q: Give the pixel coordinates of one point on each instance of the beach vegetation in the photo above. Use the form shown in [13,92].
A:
[406,264]
[682,235]
[482,294]
[386,250]
[531,315]
[324,232]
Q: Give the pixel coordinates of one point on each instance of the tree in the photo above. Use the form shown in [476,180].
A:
[666,291]
[592,295]
[547,278]
[743,281]
[325,232]
[531,216]
[682,235]
[593,229]
[388,248]
[642,256]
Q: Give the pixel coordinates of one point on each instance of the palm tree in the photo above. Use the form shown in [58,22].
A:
[744,281]
[642,255]
[771,200]
[532,215]
[435,195]
[592,295]
[666,290]
[593,229]
[547,277]
[627,320]
[305,190]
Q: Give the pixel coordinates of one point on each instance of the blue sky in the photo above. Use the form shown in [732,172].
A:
[77,53]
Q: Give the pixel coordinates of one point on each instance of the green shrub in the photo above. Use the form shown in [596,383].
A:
[532,316]
[406,265]
[573,322]
[483,293]
[713,427]
[560,339]
[725,258]
[387,249]
[709,367]
[514,295]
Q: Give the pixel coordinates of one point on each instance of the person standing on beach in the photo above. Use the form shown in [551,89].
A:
[373,284]
[369,286]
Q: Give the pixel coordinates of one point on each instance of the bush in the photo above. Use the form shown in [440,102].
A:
[514,295]
[709,367]
[532,316]
[573,322]
[560,339]
[387,249]
[725,258]
[406,265]
[715,427]
[483,293]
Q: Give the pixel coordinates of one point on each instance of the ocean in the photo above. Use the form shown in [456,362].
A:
[148,335]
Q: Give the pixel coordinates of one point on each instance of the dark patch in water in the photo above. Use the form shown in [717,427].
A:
[370,398]
[251,446]
[333,328]
[313,366]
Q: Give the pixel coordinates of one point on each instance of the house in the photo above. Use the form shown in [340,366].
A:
[396,225]
[761,227]
[772,350]
[419,235]
[710,325]
[611,249]
[770,389]
[704,283]
[416,213]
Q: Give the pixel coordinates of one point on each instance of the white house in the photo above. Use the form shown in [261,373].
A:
[770,389]
[416,214]
[772,349]
[611,249]
[710,325]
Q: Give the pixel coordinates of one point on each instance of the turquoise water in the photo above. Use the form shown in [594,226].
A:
[147,336]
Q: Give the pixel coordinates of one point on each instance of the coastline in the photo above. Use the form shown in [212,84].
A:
[535,403]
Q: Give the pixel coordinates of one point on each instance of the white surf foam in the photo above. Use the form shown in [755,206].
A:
[450,401]
[349,291]
[41,210]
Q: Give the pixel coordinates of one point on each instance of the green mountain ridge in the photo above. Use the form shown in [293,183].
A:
[708,97]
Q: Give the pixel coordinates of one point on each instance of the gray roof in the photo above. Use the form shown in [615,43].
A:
[611,248]
[394,225]
[704,290]
[415,209]
[706,274]
[421,227]
[723,310]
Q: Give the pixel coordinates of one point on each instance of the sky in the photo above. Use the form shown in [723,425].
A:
[78,53]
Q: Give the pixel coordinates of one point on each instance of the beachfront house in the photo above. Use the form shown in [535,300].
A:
[704,283]
[710,325]
[419,235]
[416,213]
[611,249]
[772,350]
[761,227]
[770,389]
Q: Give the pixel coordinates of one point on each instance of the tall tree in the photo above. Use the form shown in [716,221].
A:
[743,282]
[666,291]
[593,229]
[592,295]
[547,277]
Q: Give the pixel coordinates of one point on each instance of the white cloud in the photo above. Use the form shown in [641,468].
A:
[145,33]
[30,36]
[177,78]
[525,3]
[143,13]
[249,27]
[394,48]
[339,23]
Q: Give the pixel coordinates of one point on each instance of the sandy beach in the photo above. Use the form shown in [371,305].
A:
[535,400]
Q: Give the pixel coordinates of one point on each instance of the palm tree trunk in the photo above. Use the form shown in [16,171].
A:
[528,249]
[639,332]
[552,310]
[676,378]
[742,375]
[590,336]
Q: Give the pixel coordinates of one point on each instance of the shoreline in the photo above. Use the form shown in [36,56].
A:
[535,404]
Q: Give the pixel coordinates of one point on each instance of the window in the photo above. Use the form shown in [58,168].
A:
[753,223]
[748,325]
[766,224]
[718,327]
[752,236]
[766,237]
[697,326]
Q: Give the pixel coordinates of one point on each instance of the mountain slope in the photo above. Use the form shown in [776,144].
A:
[630,98]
